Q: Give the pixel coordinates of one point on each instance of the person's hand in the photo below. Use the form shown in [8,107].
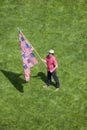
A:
[43,60]
[51,71]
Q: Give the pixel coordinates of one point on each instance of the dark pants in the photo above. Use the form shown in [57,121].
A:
[55,77]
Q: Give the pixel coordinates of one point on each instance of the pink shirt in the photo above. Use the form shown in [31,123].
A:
[51,62]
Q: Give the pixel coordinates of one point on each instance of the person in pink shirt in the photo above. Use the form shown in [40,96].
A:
[52,65]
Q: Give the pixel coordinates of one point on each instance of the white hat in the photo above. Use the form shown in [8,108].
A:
[51,51]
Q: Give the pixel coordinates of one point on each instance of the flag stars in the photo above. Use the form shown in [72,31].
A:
[24,55]
[32,55]
[25,67]
[22,38]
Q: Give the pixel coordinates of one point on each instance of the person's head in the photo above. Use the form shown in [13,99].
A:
[51,52]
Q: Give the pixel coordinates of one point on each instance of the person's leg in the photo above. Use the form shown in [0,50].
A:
[55,77]
[48,78]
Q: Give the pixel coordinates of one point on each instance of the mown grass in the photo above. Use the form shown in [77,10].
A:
[57,24]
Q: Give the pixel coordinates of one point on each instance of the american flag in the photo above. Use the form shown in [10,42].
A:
[28,56]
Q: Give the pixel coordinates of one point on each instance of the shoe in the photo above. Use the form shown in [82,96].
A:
[57,89]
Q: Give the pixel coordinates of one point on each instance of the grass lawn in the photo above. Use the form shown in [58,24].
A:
[48,24]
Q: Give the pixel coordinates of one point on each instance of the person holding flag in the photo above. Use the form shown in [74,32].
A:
[52,65]
[29,60]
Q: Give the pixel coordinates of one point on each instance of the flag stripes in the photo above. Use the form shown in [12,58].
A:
[28,57]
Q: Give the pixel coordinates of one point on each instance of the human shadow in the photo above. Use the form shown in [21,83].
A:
[41,76]
[15,79]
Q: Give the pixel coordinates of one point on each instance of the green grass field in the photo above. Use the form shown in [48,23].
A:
[48,24]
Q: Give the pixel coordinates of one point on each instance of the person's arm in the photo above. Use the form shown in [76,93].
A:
[56,66]
[43,60]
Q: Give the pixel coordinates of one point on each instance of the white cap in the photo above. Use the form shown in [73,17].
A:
[51,51]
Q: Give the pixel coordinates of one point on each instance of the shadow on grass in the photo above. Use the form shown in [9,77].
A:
[15,79]
[41,76]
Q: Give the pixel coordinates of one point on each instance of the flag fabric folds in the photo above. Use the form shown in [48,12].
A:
[28,56]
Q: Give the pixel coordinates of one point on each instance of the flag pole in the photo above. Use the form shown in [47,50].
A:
[39,56]
[34,49]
